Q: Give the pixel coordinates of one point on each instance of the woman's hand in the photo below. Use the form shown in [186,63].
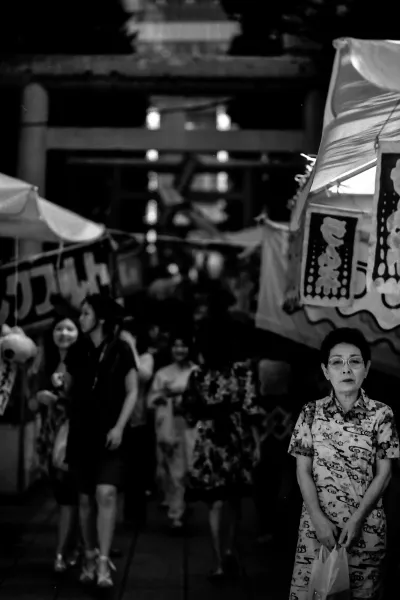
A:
[46,397]
[114,438]
[57,379]
[350,532]
[326,531]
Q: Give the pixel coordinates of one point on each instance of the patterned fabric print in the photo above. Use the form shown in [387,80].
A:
[344,448]
[223,406]
[53,417]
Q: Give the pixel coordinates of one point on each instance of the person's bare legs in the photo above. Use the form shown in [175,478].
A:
[87,518]
[215,518]
[106,497]
[66,528]
[234,514]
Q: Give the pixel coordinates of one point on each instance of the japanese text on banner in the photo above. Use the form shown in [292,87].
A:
[81,271]
[329,259]
[384,257]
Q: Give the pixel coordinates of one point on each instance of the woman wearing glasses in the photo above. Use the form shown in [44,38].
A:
[344,445]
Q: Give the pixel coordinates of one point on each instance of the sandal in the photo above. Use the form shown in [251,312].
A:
[231,564]
[104,579]
[60,566]
[89,566]
[217,576]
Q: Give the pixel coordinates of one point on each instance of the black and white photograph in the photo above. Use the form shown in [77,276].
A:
[199,300]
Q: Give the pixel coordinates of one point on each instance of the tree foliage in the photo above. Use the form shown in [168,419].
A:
[318,21]
[73,27]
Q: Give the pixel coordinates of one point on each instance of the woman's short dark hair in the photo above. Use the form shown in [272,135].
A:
[181,336]
[345,335]
[106,309]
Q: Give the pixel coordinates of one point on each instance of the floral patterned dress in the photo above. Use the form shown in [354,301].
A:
[223,406]
[344,448]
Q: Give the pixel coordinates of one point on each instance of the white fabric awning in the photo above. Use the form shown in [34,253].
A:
[363,103]
[24,215]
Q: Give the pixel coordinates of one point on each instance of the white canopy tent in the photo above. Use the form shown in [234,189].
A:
[24,215]
[363,106]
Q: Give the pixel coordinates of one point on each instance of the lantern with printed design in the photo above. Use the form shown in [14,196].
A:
[329,258]
[16,348]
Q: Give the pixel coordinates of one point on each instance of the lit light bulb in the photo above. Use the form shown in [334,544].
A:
[152,185]
[215,264]
[153,119]
[152,212]
[173,269]
[223,119]
[222,183]
[193,274]
[152,155]
[151,236]
[222,156]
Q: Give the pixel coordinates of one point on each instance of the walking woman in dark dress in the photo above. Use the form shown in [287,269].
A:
[63,359]
[107,397]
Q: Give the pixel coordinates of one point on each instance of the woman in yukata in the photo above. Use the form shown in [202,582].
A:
[62,363]
[344,445]
[221,402]
[174,438]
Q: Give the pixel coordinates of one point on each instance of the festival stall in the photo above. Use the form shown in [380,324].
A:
[80,264]
[341,257]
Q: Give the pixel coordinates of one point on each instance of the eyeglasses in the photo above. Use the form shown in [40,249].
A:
[354,362]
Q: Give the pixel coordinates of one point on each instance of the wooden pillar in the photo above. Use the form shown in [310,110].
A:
[248,198]
[313,115]
[32,148]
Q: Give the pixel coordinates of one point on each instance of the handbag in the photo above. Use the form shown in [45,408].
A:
[329,578]
[60,447]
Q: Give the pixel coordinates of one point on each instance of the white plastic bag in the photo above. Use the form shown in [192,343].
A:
[330,576]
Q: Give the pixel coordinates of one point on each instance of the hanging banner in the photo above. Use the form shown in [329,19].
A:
[376,315]
[329,258]
[294,251]
[74,274]
[383,273]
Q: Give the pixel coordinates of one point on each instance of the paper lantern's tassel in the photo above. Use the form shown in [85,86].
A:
[8,371]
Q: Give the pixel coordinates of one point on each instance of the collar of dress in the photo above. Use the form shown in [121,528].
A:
[333,405]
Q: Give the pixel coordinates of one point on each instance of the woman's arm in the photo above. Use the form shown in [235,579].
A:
[307,486]
[376,489]
[374,493]
[157,391]
[131,386]
[326,531]
[146,367]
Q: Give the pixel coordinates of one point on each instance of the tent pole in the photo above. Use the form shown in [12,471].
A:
[327,207]
[345,177]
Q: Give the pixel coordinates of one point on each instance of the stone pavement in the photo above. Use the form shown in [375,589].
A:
[155,564]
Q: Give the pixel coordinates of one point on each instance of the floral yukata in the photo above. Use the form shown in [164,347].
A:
[223,406]
[344,448]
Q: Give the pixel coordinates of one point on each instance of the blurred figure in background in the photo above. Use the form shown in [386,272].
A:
[220,402]
[174,441]
[139,442]
[272,477]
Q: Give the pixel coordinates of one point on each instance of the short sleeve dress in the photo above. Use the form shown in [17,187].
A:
[98,401]
[344,448]
[222,405]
